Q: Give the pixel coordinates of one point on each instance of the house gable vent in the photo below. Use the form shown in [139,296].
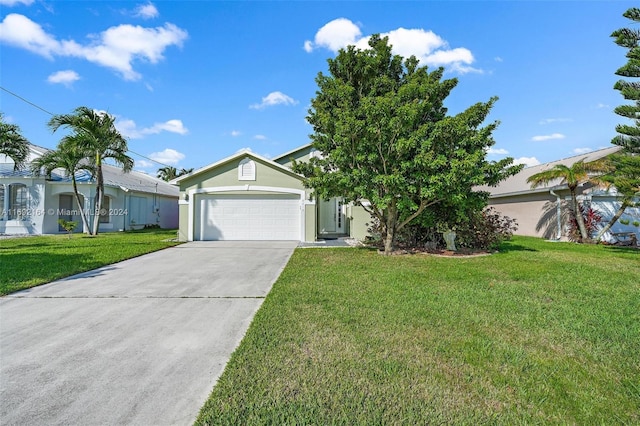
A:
[247,170]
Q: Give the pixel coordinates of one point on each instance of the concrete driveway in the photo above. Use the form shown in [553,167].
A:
[140,342]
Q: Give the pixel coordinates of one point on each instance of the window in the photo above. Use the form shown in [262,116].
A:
[104,211]
[69,211]
[247,170]
[17,200]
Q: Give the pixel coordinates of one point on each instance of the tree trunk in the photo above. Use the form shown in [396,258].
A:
[80,206]
[579,218]
[613,220]
[98,200]
[391,222]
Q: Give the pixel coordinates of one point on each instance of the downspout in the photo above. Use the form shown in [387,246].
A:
[558,214]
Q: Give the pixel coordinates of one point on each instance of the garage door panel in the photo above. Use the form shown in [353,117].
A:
[247,217]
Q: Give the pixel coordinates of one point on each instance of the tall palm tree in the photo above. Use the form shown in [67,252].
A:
[13,144]
[184,171]
[70,157]
[95,132]
[579,172]
[167,173]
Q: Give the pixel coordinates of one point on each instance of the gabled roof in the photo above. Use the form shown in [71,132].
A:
[237,156]
[293,151]
[517,184]
[113,176]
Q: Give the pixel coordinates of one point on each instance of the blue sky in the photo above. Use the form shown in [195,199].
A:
[192,82]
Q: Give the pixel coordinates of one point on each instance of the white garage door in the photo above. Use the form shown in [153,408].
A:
[247,217]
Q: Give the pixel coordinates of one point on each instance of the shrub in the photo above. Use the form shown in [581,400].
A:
[485,230]
[592,221]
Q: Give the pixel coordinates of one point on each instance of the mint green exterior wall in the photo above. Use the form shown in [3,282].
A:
[225,176]
[310,222]
[359,222]
[300,155]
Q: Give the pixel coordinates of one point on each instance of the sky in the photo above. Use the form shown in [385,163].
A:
[192,82]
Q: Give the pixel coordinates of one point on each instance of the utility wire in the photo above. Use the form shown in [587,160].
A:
[50,113]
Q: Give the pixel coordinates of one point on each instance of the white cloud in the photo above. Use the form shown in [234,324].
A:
[130,129]
[428,47]
[541,138]
[274,98]
[335,35]
[144,164]
[527,161]
[498,59]
[236,133]
[555,120]
[15,2]
[66,77]
[116,48]
[601,105]
[168,156]
[147,11]
[260,137]
[308,46]
[582,150]
[497,151]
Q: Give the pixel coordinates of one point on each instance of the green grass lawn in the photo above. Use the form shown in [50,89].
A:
[538,333]
[28,262]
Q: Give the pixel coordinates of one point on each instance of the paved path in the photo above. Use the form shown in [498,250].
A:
[140,342]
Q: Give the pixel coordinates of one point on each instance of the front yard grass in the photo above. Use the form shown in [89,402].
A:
[538,333]
[31,261]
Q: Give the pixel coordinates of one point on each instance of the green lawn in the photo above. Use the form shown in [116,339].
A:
[31,261]
[539,333]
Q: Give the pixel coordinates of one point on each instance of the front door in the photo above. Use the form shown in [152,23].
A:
[332,216]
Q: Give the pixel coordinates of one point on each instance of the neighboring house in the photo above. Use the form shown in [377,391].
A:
[32,205]
[249,197]
[543,211]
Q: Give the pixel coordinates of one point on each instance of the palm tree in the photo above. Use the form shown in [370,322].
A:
[13,144]
[167,173]
[70,157]
[572,176]
[624,175]
[96,133]
[184,171]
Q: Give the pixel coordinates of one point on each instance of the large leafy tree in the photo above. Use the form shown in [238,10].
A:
[70,156]
[624,175]
[386,141]
[629,135]
[13,144]
[574,175]
[95,132]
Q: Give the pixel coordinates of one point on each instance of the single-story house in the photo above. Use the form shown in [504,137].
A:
[250,197]
[543,211]
[32,204]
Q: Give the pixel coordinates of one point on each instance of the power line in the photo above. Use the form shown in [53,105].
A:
[50,113]
[24,100]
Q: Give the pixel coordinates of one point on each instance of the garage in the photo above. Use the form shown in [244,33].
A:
[247,217]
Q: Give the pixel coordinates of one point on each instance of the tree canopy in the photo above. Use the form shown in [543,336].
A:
[95,133]
[386,142]
[13,144]
[629,135]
